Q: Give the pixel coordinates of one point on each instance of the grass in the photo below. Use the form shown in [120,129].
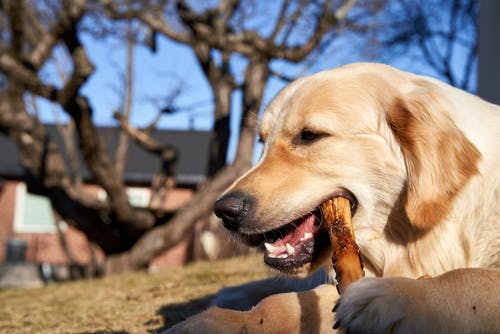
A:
[128,303]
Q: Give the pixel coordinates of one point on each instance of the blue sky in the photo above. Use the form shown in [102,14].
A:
[156,76]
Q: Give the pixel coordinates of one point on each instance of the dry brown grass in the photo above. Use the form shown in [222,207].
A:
[127,303]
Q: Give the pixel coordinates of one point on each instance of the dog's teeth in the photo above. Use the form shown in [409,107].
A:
[281,256]
[289,249]
[270,248]
[306,236]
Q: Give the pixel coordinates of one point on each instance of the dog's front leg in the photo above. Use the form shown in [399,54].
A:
[296,312]
[459,301]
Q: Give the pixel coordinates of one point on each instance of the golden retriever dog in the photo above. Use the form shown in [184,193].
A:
[420,163]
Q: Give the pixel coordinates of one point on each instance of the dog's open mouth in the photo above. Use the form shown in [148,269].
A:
[298,242]
[297,245]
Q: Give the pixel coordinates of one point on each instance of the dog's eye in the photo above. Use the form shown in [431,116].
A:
[309,136]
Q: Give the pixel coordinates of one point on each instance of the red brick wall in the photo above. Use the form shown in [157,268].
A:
[7,201]
[46,247]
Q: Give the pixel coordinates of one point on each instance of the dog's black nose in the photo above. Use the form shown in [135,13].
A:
[232,208]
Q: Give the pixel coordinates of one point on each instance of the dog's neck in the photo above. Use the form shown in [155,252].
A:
[391,246]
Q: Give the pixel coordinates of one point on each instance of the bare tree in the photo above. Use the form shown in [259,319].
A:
[216,35]
[219,35]
[30,35]
[440,36]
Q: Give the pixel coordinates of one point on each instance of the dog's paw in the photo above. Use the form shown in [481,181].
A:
[184,327]
[212,321]
[204,322]
[382,305]
[195,324]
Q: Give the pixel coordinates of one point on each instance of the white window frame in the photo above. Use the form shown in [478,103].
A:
[19,207]
[144,193]
[131,192]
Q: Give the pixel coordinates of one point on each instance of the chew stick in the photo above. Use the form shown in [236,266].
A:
[346,258]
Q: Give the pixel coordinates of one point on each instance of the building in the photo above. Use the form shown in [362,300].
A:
[489,51]
[29,217]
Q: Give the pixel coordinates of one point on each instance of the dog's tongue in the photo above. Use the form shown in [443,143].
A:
[287,245]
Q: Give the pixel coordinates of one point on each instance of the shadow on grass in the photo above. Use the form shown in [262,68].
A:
[175,313]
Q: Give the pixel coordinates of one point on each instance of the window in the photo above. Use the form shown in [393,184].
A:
[32,213]
[138,197]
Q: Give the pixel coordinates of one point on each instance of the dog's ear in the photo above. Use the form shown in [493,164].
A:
[439,158]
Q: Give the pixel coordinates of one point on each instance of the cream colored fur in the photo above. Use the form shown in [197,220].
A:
[422,159]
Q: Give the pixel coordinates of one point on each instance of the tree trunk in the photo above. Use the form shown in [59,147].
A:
[46,174]
[221,131]
[256,76]
[161,238]
[121,151]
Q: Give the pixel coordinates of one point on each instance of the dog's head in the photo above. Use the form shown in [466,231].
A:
[366,132]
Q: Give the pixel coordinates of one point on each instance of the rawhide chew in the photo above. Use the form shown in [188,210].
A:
[346,258]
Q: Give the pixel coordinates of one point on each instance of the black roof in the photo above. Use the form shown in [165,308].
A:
[192,148]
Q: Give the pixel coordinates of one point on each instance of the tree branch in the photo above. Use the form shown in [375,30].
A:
[144,140]
[156,23]
[70,13]
[121,150]
[281,21]
[323,25]
[164,179]
[26,77]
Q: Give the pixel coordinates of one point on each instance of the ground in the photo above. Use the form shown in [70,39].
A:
[128,303]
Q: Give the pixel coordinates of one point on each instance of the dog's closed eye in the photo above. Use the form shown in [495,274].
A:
[310,136]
